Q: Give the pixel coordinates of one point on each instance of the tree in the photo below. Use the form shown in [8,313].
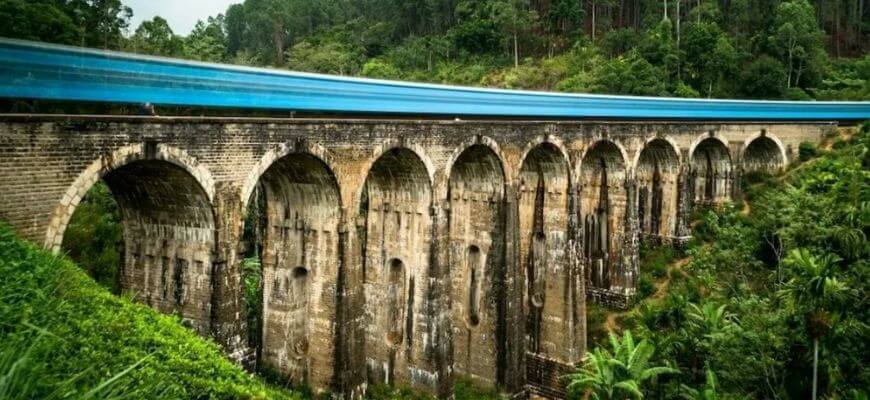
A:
[618,374]
[330,57]
[798,38]
[709,55]
[815,292]
[512,17]
[101,22]
[631,74]
[36,20]
[207,41]
[156,37]
[764,78]
[236,27]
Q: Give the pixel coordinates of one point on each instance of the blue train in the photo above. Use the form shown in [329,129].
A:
[30,70]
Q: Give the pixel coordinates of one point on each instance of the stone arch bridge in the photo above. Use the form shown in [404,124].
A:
[395,251]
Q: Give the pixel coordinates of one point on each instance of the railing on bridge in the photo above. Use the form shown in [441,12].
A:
[30,70]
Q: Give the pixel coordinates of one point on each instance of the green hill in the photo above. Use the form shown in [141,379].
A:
[740,311]
[64,336]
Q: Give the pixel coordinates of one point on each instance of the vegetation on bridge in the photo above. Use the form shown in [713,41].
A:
[797,49]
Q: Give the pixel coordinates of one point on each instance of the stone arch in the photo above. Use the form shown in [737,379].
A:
[668,141]
[301,201]
[603,197]
[476,232]
[395,224]
[762,152]
[543,186]
[548,141]
[712,171]
[165,200]
[477,140]
[657,168]
[715,136]
[266,161]
[393,145]
[108,162]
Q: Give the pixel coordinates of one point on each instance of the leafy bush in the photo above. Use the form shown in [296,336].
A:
[92,335]
[645,287]
[94,236]
[807,150]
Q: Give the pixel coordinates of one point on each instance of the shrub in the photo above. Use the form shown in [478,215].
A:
[645,287]
[92,335]
[807,150]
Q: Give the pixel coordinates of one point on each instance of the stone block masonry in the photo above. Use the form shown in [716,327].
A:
[398,252]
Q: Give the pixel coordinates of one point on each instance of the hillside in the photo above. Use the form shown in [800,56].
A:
[739,311]
[66,337]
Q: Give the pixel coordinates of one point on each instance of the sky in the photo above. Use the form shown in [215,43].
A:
[181,14]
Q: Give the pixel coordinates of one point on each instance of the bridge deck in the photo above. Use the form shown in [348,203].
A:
[30,70]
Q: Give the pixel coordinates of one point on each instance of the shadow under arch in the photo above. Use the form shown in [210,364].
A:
[712,171]
[395,229]
[165,202]
[656,171]
[476,229]
[543,185]
[763,153]
[295,209]
[603,198]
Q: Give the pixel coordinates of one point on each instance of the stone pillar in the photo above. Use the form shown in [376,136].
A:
[685,197]
[440,348]
[514,377]
[736,182]
[631,247]
[349,375]
[577,279]
[228,323]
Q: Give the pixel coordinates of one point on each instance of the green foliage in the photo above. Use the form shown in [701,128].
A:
[94,236]
[631,74]
[207,41]
[764,78]
[36,20]
[798,40]
[807,150]
[763,291]
[93,342]
[156,37]
[252,275]
[467,390]
[621,372]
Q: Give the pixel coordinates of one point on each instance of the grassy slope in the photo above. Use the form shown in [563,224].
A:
[71,334]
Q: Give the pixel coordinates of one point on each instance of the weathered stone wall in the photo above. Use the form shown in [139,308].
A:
[395,251]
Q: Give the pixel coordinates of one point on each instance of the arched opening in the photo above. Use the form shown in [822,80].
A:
[602,206]
[165,220]
[543,220]
[712,172]
[657,170]
[762,154]
[395,301]
[395,207]
[291,231]
[476,228]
